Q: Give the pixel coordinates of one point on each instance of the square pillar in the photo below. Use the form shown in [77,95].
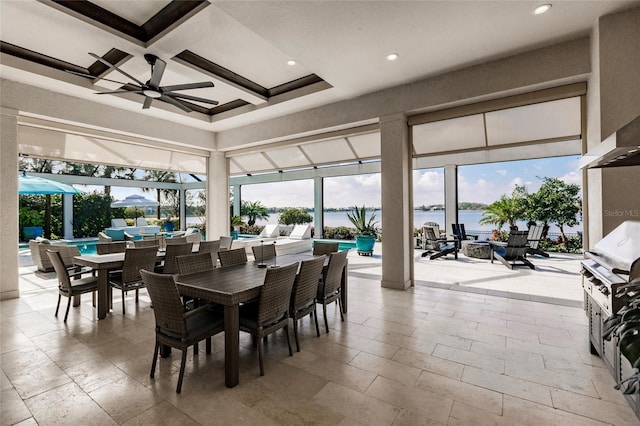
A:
[9,284]
[218,220]
[318,206]
[450,197]
[397,202]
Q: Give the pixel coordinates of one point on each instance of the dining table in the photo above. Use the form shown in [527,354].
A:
[232,286]
[103,263]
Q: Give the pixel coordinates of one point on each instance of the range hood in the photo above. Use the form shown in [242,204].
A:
[620,149]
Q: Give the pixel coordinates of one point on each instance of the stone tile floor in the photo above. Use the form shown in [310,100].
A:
[471,344]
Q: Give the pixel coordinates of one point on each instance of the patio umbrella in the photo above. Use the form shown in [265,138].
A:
[33,185]
[135,201]
[40,186]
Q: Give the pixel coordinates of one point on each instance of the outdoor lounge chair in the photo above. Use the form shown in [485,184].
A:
[533,239]
[460,233]
[440,246]
[513,251]
[270,231]
[428,244]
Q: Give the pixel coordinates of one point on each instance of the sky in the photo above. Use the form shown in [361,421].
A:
[482,183]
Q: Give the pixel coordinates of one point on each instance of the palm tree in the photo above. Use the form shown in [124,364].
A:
[253,210]
[161,176]
[504,210]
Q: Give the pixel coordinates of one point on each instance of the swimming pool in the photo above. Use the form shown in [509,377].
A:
[342,244]
[86,246]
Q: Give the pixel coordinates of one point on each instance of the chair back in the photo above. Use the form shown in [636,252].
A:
[61,270]
[225,243]
[136,259]
[176,240]
[516,244]
[264,252]
[459,231]
[305,286]
[534,236]
[276,294]
[320,248]
[332,274]
[232,257]
[192,263]
[174,250]
[114,247]
[430,233]
[146,243]
[167,305]
[209,247]
[118,222]
[193,235]
[141,221]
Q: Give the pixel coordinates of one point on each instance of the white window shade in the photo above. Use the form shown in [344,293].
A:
[547,120]
[367,145]
[288,157]
[449,135]
[254,162]
[331,151]
[63,146]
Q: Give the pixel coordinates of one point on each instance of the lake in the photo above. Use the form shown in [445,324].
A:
[470,218]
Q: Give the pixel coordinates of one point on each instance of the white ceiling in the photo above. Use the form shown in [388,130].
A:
[343,42]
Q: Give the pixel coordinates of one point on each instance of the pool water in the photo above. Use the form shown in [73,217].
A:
[85,246]
[342,244]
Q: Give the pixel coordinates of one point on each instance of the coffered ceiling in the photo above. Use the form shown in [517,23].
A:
[339,47]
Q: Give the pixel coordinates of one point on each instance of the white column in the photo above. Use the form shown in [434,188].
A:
[218,220]
[67,216]
[318,206]
[450,197]
[183,209]
[9,285]
[397,203]
[237,200]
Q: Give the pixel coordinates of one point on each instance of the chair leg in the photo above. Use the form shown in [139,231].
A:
[340,308]
[260,355]
[324,311]
[58,307]
[137,298]
[286,330]
[195,348]
[66,314]
[295,334]
[123,293]
[182,363]
[315,317]
[93,298]
[155,359]
[208,345]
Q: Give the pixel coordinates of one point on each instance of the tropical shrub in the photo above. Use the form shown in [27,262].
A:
[295,216]
[339,233]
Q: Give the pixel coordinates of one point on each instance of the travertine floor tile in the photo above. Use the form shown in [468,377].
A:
[12,408]
[429,363]
[507,385]
[593,408]
[393,370]
[469,358]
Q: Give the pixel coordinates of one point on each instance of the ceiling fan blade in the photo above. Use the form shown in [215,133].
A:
[110,65]
[187,86]
[119,91]
[147,102]
[157,69]
[191,98]
[93,77]
[174,102]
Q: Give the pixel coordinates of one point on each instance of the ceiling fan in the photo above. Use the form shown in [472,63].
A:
[152,89]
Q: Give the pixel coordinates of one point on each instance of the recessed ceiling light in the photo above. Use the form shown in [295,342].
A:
[291,62]
[392,56]
[542,9]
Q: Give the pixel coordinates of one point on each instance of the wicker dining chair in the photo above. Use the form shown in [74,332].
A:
[172,250]
[303,294]
[114,247]
[209,247]
[271,312]
[192,263]
[232,257]
[225,243]
[175,240]
[176,327]
[146,243]
[264,252]
[329,289]
[324,248]
[70,288]
[128,278]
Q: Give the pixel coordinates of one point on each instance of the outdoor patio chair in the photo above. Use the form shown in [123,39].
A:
[304,292]
[146,243]
[169,266]
[175,327]
[225,243]
[70,288]
[193,235]
[271,312]
[263,252]
[270,231]
[175,240]
[460,234]
[427,243]
[320,248]
[513,251]
[192,263]
[232,257]
[128,278]
[440,246]
[533,239]
[114,247]
[329,289]
[39,247]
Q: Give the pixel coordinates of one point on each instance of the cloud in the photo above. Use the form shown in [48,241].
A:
[502,172]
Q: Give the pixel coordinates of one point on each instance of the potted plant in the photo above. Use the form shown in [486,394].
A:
[168,224]
[236,222]
[366,230]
